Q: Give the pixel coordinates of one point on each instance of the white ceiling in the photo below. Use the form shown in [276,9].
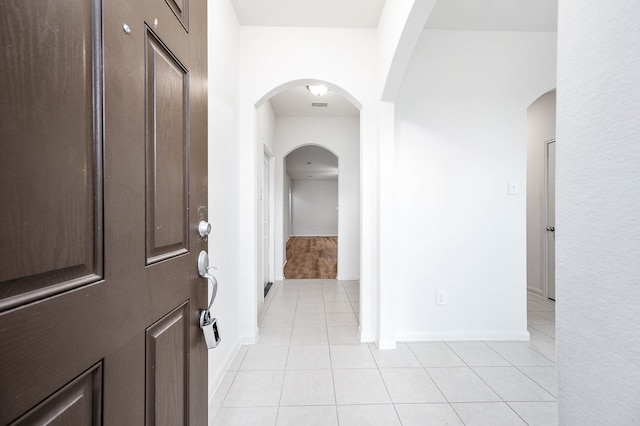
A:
[497,15]
[309,13]
[324,165]
[297,102]
[494,15]
[483,15]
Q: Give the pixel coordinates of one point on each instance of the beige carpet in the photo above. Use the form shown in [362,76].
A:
[311,257]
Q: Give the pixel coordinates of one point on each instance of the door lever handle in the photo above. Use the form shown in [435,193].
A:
[208,325]
[214,289]
[203,270]
[203,263]
[551,229]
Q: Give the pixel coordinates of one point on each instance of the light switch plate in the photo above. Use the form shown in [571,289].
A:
[514,187]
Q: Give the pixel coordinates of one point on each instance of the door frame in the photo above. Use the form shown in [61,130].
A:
[269,190]
[546,216]
[263,257]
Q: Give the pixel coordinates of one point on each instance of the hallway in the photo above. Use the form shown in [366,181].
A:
[308,368]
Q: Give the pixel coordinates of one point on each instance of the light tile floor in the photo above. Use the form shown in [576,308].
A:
[309,369]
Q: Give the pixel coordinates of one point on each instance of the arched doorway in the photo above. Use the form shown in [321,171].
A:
[310,213]
[287,120]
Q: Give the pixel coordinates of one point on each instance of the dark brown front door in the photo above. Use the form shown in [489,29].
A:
[103,180]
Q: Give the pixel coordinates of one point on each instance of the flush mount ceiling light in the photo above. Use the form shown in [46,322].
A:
[318,89]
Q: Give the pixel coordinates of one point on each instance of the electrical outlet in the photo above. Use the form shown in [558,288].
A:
[441,297]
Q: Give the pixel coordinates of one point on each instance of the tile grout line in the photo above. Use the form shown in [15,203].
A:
[395,409]
[284,374]
[435,384]
[516,413]
[516,367]
[536,350]
[378,368]
[492,389]
[386,387]
[555,398]
[474,372]
[333,379]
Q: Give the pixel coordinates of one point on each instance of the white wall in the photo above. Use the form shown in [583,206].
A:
[340,135]
[399,29]
[314,207]
[460,138]
[223,190]
[541,127]
[598,213]
[274,59]
[266,123]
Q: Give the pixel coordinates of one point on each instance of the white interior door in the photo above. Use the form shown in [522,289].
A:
[266,223]
[551,220]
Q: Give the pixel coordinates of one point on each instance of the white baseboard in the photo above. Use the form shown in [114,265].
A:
[249,338]
[216,379]
[280,273]
[463,335]
[314,235]
[367,337]
[348,277]
[244,339]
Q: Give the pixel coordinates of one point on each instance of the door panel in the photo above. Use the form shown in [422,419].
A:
[168,369]
[51,191]
[180,9]
[57,200]
[78,403]
[78,290]
[167,114]
[47,344]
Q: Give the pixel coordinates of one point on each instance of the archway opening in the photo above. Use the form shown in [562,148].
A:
[311,206]
[291,121]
